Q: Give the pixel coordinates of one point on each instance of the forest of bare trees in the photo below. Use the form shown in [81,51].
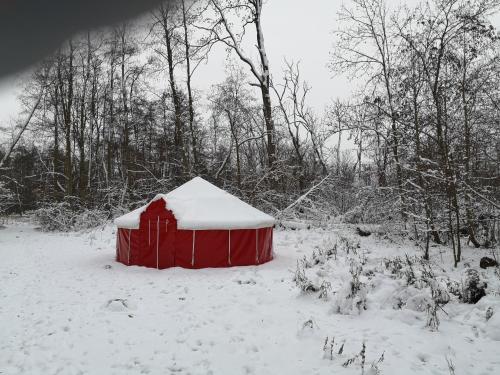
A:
[113,117]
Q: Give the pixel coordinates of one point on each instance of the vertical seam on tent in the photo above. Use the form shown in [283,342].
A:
[128,256]
[266,245]
[166,226]
[272,245]
[229,249]
[118,239]
[257,245]
[157,242]
[149,232]
[192,255]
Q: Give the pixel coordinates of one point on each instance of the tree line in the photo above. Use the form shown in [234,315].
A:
[113,117]
[428,117]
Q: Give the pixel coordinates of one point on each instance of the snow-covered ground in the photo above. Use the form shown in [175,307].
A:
[67,308]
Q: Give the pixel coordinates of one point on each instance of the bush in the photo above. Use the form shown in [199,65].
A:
[354,216]
[351,299]
[68,216]
[90,218]
[7,199]
[474,288]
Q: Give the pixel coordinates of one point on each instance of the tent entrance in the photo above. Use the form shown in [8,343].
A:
[161,239]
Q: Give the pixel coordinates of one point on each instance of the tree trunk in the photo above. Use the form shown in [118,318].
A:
[67,104]
[264,88]
[181,164]
[188,84]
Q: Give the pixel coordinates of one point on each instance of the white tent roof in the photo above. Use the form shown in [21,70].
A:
[199,205]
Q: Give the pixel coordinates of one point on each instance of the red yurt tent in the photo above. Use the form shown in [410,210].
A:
[196,225]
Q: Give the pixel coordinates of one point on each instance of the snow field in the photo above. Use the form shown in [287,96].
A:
[67,308]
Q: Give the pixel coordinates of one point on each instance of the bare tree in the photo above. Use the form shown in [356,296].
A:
[302,124]
[166,21]
[222,31]
[366,44]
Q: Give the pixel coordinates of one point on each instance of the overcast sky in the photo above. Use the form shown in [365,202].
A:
[294,29]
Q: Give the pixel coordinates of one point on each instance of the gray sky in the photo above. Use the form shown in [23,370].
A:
[294,29]
[298,31]
[9,106]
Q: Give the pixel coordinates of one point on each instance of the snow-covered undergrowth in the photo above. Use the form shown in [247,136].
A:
[330,303]
[65,216]
[365,278]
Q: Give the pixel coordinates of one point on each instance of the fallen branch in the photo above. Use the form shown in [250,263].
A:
[304,196]
[363,233]
[482,196]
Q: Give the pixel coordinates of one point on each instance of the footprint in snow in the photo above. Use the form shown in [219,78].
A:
[175,369]
[253,348]
[246,282]
[119,305]
[423,357]
[249,369]
[308,329]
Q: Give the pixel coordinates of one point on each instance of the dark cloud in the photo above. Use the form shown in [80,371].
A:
[32,29]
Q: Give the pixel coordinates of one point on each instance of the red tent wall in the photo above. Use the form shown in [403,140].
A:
[159,244]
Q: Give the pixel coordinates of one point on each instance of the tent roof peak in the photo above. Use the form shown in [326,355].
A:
[200,205]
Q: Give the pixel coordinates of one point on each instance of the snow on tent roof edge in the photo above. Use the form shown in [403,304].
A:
[200,205]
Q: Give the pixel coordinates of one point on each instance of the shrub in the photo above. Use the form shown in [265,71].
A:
[67,216]
[351,299]
[354,216]
[473,289]
[302,282]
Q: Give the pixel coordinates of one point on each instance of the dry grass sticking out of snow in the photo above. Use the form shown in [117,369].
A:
[331,302]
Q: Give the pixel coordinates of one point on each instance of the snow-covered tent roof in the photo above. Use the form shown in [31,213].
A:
[199,205]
